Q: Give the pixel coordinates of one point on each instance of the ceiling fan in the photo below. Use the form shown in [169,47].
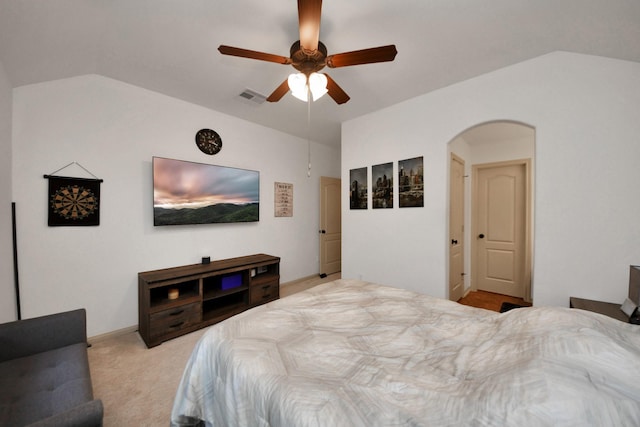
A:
[309,55]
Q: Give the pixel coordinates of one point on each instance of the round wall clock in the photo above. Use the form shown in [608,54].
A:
[208,141]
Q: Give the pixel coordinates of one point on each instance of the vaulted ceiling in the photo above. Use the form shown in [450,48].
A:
[170,46]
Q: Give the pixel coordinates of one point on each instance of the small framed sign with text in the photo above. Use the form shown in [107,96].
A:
[283,199]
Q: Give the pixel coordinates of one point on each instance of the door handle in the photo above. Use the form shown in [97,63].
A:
[480,236]
[454,242]
[323,231]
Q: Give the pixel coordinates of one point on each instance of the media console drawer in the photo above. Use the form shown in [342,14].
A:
[265,292]
[175,319]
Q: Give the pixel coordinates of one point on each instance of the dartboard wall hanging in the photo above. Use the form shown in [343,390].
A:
[74,201]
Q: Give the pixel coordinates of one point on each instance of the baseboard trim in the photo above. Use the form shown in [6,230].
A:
[113,334]
[302,279]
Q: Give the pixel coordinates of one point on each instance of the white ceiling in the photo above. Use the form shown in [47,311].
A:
[170,46]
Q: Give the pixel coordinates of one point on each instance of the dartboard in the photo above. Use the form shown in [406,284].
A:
[74,202]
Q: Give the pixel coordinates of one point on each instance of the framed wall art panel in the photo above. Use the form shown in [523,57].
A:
[382,186]
[358,190]
[411,183]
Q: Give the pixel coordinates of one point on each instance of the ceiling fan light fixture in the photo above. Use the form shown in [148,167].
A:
[298,86]
[317,85]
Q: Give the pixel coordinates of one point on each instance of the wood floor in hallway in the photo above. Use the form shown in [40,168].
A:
[489,300]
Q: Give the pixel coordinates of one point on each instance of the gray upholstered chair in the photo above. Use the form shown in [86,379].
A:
[44,373]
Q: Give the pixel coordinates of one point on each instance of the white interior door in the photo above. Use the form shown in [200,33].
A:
[501,227]
[456,229]
[330,226]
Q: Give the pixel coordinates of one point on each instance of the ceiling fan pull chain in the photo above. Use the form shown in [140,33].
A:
[309,131]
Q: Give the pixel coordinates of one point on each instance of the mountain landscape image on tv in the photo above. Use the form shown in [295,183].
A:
[197,193]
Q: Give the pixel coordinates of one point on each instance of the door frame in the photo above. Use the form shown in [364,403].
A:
[528,250]
[462,248]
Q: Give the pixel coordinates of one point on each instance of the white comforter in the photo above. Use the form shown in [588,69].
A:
[350,353]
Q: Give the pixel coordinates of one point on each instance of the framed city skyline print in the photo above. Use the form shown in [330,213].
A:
[358,191]
[411,183]
[382,186]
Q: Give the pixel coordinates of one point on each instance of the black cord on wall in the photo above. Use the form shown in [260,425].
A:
[15,259]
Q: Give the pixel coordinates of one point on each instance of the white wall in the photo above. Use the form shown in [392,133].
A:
[7,293]
[113,130]
[584,110]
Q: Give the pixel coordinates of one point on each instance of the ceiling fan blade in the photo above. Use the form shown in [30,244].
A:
[335,91]
[364,56]
[252,54]
[279,92]
[309,23]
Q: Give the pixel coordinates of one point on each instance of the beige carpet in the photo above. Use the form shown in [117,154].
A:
[137,385]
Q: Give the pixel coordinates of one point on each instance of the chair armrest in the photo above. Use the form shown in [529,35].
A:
[31,336]
[89,414]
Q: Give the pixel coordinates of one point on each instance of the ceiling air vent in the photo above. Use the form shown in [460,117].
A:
[253,96]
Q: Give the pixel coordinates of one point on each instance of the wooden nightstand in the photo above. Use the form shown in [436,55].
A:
[607,308]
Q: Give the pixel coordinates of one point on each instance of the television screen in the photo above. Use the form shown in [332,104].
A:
[197,193]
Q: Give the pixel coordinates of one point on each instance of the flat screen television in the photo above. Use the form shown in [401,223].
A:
[197,193]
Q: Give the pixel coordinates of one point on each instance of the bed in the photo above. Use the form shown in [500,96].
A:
[353,353]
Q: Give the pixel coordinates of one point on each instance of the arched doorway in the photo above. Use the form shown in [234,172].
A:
[479,148]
